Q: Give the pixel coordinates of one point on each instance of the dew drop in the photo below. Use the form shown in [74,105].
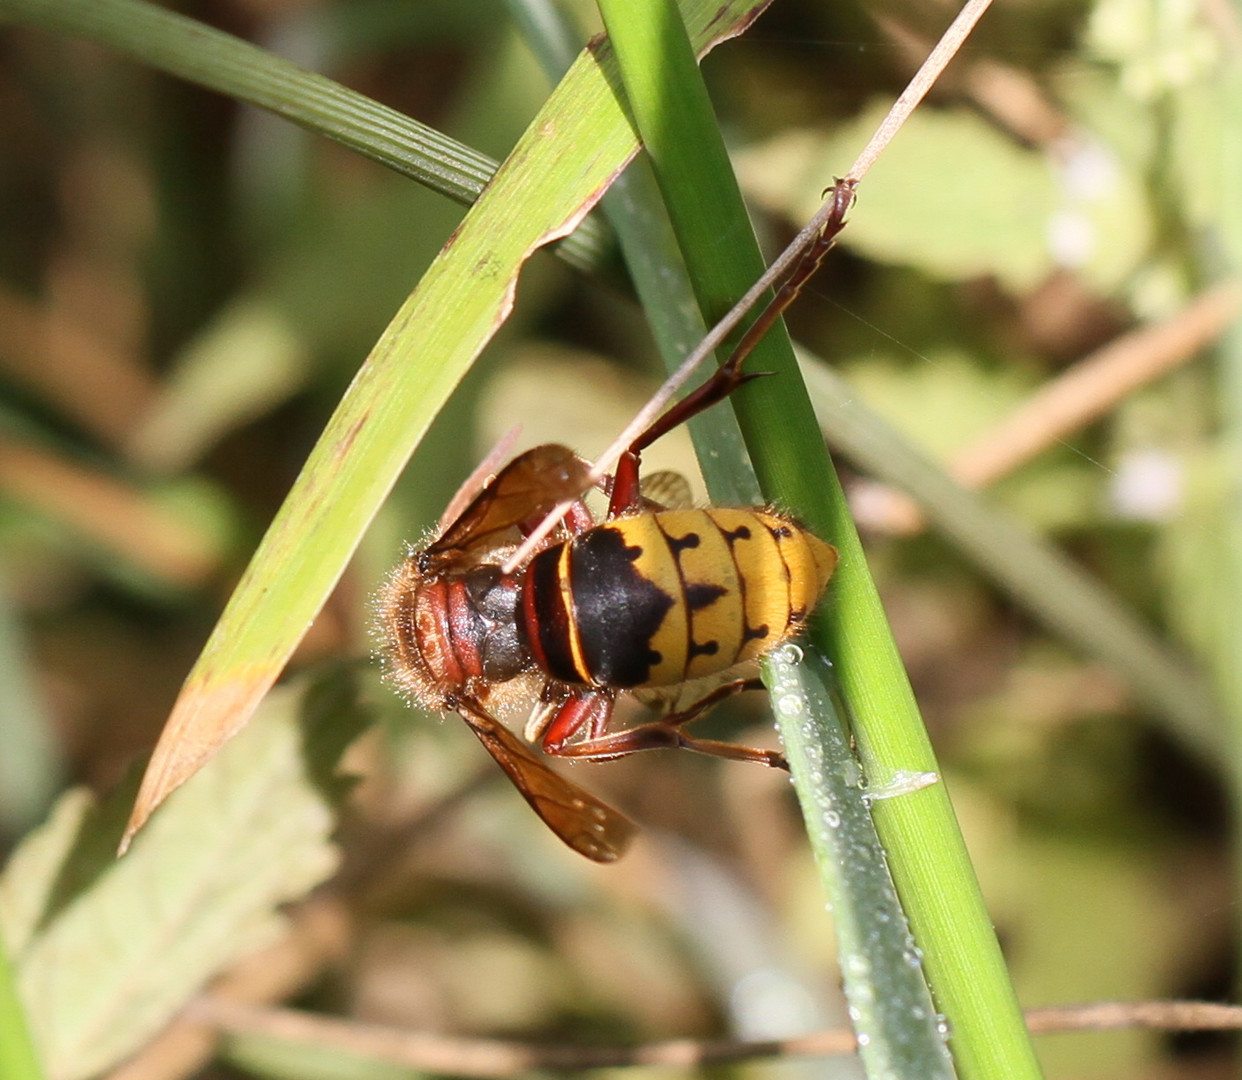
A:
[832,819]
[791,704]
[856,965]
[863,993]
[791,653]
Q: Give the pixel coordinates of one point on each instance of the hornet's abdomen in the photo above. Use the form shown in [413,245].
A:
[662,598]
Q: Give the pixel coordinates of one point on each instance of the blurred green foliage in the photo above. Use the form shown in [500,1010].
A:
[187,286]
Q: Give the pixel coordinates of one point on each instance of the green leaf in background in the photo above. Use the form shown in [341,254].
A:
[958,160]
[107,951]
[287,1059]
[1023,214]
[32,871]
[243,363]
[1158,47]
[19,1059]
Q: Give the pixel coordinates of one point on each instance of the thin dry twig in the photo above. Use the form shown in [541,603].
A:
[1011,96]
[1156,1015]
[1095,385]
[489,1058]
[924,79]
[102,388]
[106,512]
[485,1058]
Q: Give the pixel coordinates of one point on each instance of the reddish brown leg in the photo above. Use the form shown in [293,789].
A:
[724,380]
[729,376]
[667,732]
[582,710]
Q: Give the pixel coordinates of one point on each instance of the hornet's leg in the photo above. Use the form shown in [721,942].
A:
[729,376]
[559,718]
[668,732]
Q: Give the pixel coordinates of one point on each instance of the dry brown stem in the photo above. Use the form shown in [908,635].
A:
[488,1058]
[103,389]
[106,511]
[1079,395]
[1095,385]
[1009,95]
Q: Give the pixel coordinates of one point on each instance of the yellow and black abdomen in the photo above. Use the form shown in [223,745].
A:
[662,598]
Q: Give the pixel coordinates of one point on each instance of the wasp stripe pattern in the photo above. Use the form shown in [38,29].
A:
[662,598]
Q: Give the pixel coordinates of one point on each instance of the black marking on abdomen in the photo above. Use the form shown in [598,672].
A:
[732,536]
[779,533]
[677,544]
[616,609]
[708,648]
[757,633]
[703,595]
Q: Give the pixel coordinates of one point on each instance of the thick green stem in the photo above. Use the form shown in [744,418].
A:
[926,853]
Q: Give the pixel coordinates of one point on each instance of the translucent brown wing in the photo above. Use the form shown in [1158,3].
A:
[669,490]
[592,828]
[483,472]
[523,491]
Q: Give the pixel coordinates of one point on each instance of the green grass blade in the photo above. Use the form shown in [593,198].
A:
[560,167]
[219,61]
[890,1005]
[547,32]
[927,856]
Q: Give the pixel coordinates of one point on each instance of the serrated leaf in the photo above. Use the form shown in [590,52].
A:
[956,198]
[111,963]
[950,195]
